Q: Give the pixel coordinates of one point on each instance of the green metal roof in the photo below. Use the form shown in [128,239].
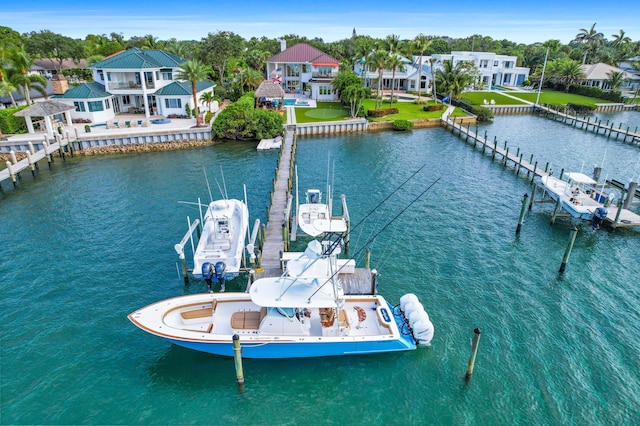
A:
[182,88]
[139,59]
[85,91]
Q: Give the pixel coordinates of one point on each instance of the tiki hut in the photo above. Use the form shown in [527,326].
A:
[46,109]
[269,95]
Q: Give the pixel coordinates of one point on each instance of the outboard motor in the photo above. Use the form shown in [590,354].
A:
[221,273]
[207,274]
[598,216]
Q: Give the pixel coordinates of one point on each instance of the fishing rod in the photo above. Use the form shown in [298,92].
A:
[389,196]
[332,246]
[380,231]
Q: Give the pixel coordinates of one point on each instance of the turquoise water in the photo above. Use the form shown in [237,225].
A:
[93,240]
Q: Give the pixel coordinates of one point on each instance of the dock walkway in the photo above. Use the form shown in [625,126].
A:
[617,216]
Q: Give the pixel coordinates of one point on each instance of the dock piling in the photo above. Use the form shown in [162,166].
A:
[567,252]
[522,212]
[474,350]
[237,358]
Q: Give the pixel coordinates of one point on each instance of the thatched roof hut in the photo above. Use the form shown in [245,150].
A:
[269,90]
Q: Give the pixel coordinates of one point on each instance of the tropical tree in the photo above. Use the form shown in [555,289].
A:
[19,65]
[421,43]
[343,80]
[620,39]
[395,63]
[590,39]
[217,49]
[378,60]
[564,71]
[353,96]
[616,78]
[194,71]
[47,44]
[432,64]
[6,87]
[253,78]
[454,79]
[207,98]
[393,43]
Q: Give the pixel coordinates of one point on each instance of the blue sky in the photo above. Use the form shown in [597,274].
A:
[518,21]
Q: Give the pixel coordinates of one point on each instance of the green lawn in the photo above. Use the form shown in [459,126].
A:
[334,111]
[406,111]
[558,98]
[325,111]
[478,98]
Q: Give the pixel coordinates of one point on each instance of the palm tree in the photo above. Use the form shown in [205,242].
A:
[6,88]
[454,79]
[432,63]
[194,71]
[616,78]
[422,43]
[20,64]
[207,98]
[253,78]
[568,72]
[590,39]
[395,63]
[393,42]
[378,60]
[619,39]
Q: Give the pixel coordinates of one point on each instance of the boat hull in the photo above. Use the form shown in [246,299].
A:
[574,199]
[208,322]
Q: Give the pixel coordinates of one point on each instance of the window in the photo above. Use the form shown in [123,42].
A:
[484,63]
[293,71]
[79,106]
[324,90]
[324,71]
[95,106]
[507,78]
[106,104]
[167,75]
[108,76]
[126,100]
[173,103]
[495,63]
[101,75]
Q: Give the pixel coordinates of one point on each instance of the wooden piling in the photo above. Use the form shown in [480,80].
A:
[367,259]
[474,350]
[567,252]
[237,358]
[523,210]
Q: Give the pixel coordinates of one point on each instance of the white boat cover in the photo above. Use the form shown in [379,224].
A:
[289,292]
[581,178]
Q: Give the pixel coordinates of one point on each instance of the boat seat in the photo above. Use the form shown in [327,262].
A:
[247,320]
[197,313]
[343,318]
[327,317]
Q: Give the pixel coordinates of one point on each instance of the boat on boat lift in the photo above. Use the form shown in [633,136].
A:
[579,196]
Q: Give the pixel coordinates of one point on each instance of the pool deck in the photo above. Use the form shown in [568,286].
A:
[101,130]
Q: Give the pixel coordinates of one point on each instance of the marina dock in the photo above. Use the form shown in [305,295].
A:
[597,126]
[618,216]
[280,222]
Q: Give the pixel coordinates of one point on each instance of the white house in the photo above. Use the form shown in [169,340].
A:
[303,69]
[370,75]
[495,70]
[598,75]
[133,81]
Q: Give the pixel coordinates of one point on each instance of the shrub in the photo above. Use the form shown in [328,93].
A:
[580,108]
[402,125]
[208,116]
[433,107]
[241,121]
[10,124]
[382,112]
[483,114]
[595,92]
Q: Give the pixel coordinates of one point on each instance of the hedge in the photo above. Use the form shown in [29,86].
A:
[10,124]
[595,92]
[382,112]
[434,107]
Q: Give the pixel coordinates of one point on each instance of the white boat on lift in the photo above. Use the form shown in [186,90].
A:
[579,196]
[302,313]
[220,249]
[314,217]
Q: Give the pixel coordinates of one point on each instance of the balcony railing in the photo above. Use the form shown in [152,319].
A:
[119,85]
[318,75]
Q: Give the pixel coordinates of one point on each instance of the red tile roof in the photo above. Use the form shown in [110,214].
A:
[303,53]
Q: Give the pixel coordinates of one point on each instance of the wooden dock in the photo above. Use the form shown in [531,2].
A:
[596,126]
[279,226]
[15,167]
[617,217]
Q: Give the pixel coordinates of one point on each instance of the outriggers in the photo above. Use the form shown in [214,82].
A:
[302,313]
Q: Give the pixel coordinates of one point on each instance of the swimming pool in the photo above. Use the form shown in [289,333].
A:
[160,121]
[289,102]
